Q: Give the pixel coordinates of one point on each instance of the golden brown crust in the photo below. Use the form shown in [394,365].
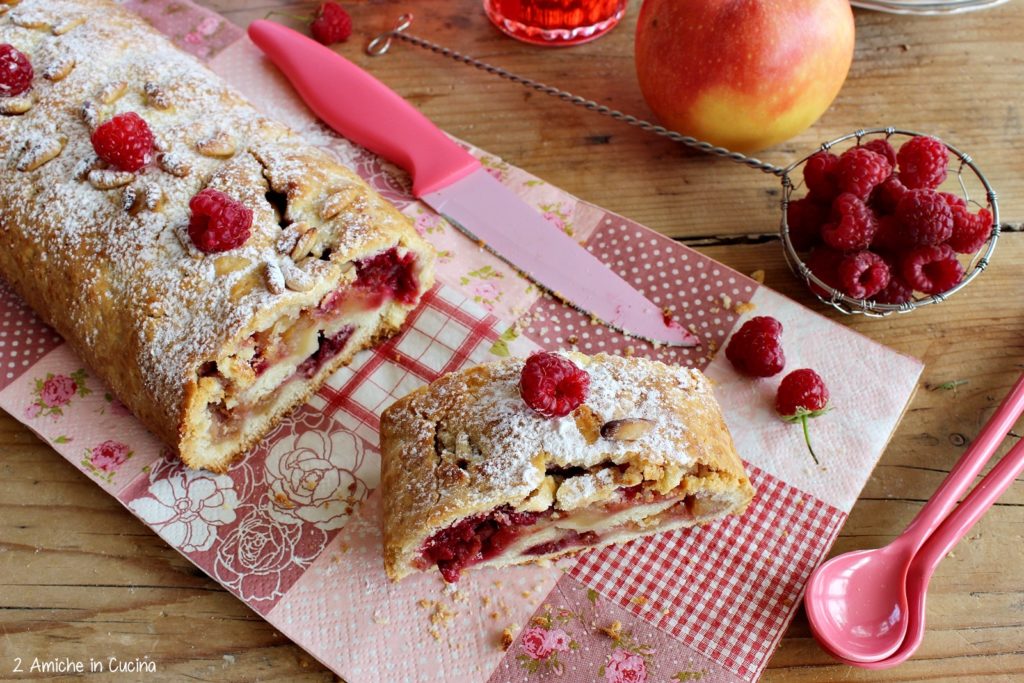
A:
[104,258]
[468,444]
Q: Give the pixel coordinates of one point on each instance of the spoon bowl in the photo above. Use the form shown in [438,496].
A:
[857,602]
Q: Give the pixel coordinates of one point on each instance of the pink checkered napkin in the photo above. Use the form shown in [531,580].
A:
[293,530]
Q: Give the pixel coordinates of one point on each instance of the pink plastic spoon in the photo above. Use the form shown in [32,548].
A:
[857,603]
[949,533]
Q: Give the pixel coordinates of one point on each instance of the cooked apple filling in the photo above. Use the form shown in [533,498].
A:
[500,536]
[299,345]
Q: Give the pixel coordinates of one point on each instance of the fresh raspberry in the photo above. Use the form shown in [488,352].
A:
[925,216]
[953,199]
[756,348]
[15,71]
[802,394]
[820,175]
[124,141]
[882,146]
[824,263]
[890,236]
[218,222]
[970,231]
[331,24]
[863,274]
[805,218]
[923,162]
[553,385]
[853,224]
[860,170]
[887,196]
[896,292]
[931,269]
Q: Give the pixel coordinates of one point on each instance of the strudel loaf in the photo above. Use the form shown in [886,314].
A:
[211,267]
[476,471]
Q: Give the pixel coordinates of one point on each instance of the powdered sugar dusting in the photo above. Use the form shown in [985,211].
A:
[105,263]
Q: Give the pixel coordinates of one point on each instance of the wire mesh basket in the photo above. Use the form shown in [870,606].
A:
[967,178]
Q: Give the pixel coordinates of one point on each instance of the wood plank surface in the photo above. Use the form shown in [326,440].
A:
[80,577]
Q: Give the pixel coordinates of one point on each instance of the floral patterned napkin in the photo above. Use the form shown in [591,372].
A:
[293,529]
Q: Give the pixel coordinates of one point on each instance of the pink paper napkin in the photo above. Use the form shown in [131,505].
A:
[293,529]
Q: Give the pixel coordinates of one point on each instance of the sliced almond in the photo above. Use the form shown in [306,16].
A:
[627,429]
[154,196]
[131,200]
[305,244]
[29,19]
[112,92]
[90,114]
[295,278]
[67,24]
[39,152]
[173,164]
[15,105]
[82,168]
[156,96]
[108,179]
[339,201]
[274,278]
[220,144]
[223,265]
[58,69]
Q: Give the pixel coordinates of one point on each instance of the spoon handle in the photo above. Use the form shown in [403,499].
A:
[966,469]
[977,502]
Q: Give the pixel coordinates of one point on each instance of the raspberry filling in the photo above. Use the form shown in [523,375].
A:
[390,274]
[475,539]
[328,348]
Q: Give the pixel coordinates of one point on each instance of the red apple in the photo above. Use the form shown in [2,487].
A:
[743,74]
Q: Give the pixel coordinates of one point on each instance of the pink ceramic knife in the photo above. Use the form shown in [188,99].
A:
[453,182]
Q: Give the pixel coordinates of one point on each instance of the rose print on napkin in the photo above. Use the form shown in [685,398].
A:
[313,476]
[187,507]
[55,392]
[256,558]
[106,459]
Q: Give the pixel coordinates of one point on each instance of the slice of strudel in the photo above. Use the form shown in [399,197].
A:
[519,461]
[208,264]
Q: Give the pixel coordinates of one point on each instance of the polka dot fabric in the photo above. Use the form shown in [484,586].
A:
[24,338]
[700,292]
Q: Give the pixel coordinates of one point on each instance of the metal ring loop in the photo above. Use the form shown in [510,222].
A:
[382,43]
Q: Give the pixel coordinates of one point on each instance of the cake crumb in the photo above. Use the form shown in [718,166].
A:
[435,634]
[494,615]
[379,618]
[441,615]
[639,600]
[425,604]
[726,301]
[613,630]
[758,276]
[666,612]
[485,601]
[507,638]
[743,307]
[630,351]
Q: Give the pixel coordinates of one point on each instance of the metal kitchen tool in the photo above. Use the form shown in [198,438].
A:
[825,293]
[453,182]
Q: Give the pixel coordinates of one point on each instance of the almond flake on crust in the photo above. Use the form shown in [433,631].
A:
[90,114]
[173,164]
[156,96]
[338,201]
[38,152]
[274,277]
[112,92]
[220,145]
[108,179]
[15,105]
[59,69]
[66,25]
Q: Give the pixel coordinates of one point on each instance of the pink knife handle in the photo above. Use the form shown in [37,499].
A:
[966,469]
[363,109]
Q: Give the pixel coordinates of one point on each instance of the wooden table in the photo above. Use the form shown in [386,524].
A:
[81,577]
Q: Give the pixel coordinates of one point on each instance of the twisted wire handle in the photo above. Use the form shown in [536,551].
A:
[382,43]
